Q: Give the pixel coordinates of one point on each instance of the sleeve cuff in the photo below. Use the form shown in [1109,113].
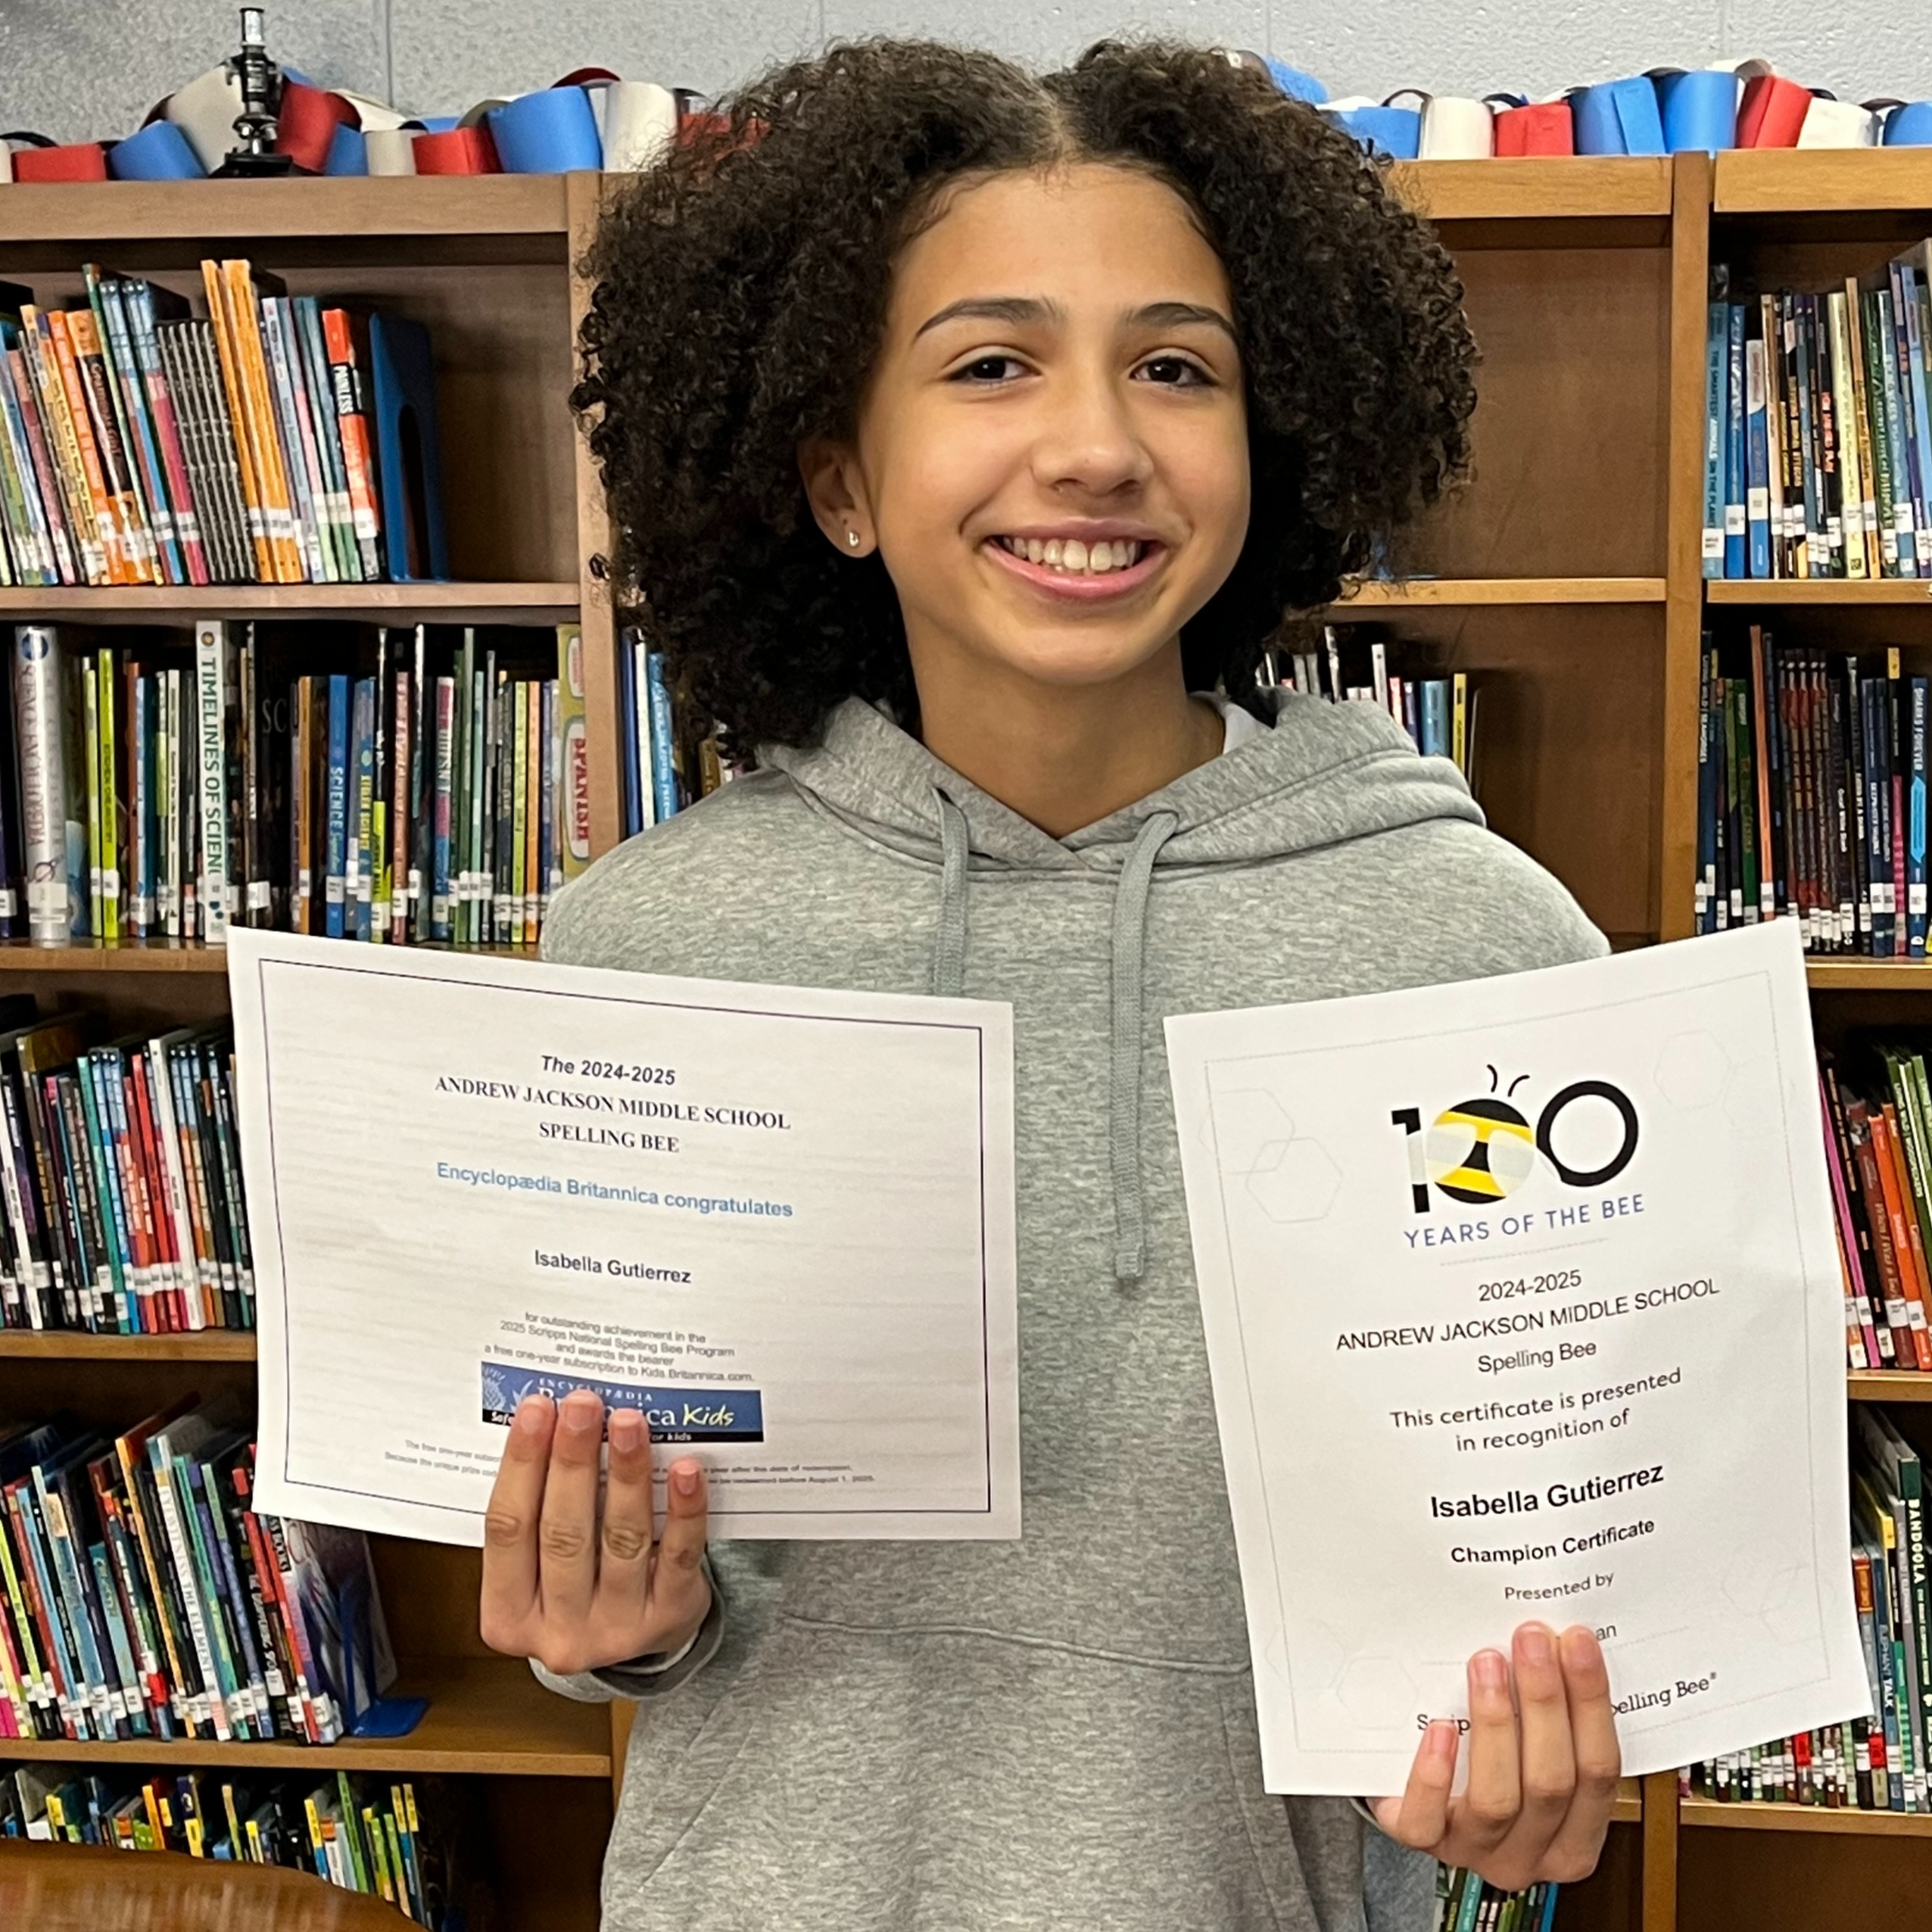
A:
[655,1676]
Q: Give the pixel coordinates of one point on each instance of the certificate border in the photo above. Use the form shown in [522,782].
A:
[1759,975]
[373,971]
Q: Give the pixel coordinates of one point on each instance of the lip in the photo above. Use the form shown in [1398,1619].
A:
[1081,587]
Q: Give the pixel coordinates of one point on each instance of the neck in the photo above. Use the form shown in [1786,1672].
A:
[1065,756]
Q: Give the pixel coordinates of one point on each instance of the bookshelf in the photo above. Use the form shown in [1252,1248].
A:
[486,264]
[1567,574]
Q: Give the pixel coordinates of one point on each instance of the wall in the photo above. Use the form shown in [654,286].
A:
[74,69]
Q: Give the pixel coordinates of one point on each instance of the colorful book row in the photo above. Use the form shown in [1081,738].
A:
[432,788]
[121,1175]
[1817,455]
[141,444]
[357,1833]
[1465,1901]
[1352,666]
[144,1596]
[1878,1762]
[1811,798]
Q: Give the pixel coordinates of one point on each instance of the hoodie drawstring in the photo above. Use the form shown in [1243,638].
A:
[949,955]
[1123,1100]
[1129,1017]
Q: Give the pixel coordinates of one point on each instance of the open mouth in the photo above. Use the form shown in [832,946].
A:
[1071,567]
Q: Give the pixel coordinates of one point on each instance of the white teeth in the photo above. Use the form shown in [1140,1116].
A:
[1070,554]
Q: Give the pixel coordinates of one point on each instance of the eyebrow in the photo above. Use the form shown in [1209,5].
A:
[1019,310]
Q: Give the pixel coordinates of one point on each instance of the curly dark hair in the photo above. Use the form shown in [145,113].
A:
[741,291]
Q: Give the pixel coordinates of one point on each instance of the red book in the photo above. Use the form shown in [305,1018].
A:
[345,375]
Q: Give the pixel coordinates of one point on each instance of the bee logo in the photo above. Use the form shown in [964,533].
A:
[1480,1151]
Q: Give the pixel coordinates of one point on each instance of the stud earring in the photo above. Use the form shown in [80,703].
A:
[852,537]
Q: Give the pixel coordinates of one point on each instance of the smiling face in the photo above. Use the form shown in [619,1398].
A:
[1052,454]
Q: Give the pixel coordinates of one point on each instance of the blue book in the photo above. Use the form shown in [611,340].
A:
[409,466]
[336,846]
[99,1150]
[108,1596]
[1915,823]
[1549,1918]
[1717,325]
[1733,444]
[1889,400]
[1757,453]
[1909,456]
[1436,718]
[359,878]
[664,768]
[1922,417]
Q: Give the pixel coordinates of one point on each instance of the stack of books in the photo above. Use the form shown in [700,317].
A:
[1353,665]
[358,1832]
[1464,1902]
[141,1596]
[1811,800]
[1818,454]
[121,1176]
[663,769]
[141,444]
[431,787]
[1878,1150]
[1877,1763]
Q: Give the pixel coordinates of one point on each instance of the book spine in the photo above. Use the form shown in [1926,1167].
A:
[1716,337]
[69,557]
[402,886]
[358,864]
[114,310]
[210,722]
[297,451]
[664,768]
[119,566]
[170,456]
[63,443]
[1757,455]
[1859,524]
[335,887]
[1735,532]
[1914,384]
[352,424]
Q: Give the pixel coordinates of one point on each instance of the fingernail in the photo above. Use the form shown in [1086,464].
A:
[1533,1640]
[532,1413]
[1492,1670]
[1441,1740]
[627,1429]
[1580,1648]
[687,1476]
[580,1411]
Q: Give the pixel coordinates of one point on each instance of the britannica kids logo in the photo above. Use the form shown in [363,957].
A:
[1479,1151]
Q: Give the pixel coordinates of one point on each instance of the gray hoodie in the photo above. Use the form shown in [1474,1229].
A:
[1058,1731]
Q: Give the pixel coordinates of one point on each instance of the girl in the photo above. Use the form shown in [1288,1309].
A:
[957,426]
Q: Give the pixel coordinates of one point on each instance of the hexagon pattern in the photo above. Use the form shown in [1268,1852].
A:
[1294,1180]
[1245,1122]
[1377,1692]
[1692,1068]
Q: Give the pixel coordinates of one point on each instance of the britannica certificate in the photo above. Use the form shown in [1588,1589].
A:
[1522,1301]
[779,1222]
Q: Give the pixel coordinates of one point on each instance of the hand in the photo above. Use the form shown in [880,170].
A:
[1542,1769]
[560,1586]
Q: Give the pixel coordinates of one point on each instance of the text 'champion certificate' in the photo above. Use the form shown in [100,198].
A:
[779,1223]
[1522,1302]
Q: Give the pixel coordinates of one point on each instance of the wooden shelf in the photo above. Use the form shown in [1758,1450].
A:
[473,218]
[486,1714]
[1804,181]
[1886,592]
[1804,1817]
[1381,594]
[377,603]
[1570,187]
[1888,1385]
[66,1345]
[172,956]
[1629,1807]
[1869,975]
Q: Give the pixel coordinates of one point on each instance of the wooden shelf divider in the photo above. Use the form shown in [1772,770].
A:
[1482,592]
[1830,592]
[1888,1385]
[1854,975]
[71,1345]
[486,1714]
[374,604]
[1699,1813]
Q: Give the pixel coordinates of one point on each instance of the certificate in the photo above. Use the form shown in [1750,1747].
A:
[1522,1302]
[779,1223]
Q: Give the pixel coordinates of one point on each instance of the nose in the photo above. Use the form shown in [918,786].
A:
[1088,442]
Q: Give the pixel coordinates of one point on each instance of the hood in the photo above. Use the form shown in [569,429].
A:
[1326,773]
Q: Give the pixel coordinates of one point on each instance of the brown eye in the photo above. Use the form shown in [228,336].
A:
[1172,372]
[989,369]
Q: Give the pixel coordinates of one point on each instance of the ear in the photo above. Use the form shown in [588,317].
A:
[835,489]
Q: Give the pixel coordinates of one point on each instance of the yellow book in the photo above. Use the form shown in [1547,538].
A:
[228,358]
[1851,473]
[1459,723]
[244,318]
